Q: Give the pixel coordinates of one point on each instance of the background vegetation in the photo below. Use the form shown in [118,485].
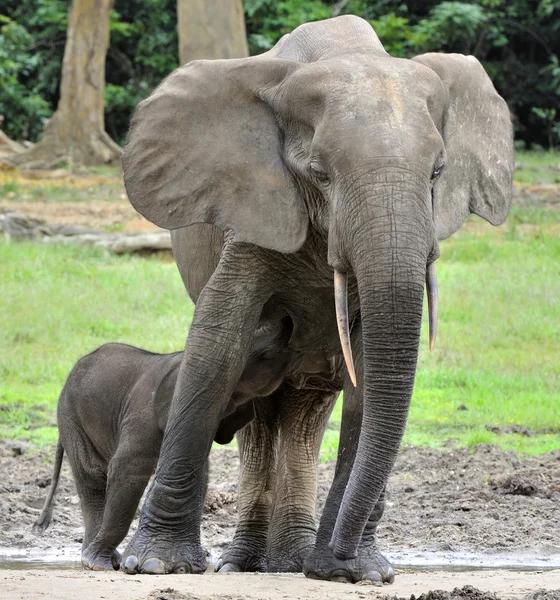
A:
[518,42]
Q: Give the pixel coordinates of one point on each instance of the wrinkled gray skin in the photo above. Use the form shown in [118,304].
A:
[112,414]
[324,154]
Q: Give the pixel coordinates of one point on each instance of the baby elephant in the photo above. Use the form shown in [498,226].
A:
[112,413]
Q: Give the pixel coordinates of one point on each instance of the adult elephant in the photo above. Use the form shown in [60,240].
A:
[322,158]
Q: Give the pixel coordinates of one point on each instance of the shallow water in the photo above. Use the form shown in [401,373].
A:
[34,558]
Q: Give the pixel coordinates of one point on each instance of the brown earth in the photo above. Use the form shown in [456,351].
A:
[476,500]
[480,500]
[66,585]
[99,214]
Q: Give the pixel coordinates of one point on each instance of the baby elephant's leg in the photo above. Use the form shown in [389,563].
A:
[90,477]
[91,491]
[128,475]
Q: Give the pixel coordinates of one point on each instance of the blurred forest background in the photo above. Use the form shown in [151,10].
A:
[518,41]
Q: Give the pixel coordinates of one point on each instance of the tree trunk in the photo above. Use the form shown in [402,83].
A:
[211,29]
[76,132]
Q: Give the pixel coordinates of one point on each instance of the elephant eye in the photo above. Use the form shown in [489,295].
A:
[318,172]
[438,168]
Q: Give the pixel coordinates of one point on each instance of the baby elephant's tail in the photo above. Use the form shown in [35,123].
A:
[46,514]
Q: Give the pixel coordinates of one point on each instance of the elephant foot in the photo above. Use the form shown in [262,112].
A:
[153,555]
[242,558]
[290,542]
[289,559]
[100,561]
[369,567]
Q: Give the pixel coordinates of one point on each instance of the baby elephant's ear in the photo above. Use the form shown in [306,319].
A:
[478,172]
[205,148]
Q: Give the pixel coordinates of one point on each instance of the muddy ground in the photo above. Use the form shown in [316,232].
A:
[479,500]
[482,501]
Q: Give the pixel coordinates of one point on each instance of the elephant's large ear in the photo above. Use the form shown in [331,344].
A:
[478,137]
[204,147]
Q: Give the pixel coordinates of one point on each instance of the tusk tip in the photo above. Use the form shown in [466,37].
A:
[432,343]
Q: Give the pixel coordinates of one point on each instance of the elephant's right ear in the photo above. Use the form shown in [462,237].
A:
[205,148]
[477,177]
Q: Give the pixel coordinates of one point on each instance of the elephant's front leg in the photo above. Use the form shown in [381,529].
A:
[257,479]
[303,417]
[226,316]
[370,564]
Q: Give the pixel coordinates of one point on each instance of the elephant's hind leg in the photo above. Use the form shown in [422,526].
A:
[303,417]
[90,477]
[257,450]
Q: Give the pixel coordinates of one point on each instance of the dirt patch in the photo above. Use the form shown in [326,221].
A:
[437,500]
[528,195]
[98,214]
[529,482]
[172,594]
[467,592]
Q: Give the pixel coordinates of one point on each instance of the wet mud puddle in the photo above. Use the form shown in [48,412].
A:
[69,559]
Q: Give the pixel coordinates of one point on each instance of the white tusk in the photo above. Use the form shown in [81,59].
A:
[432,293]
[341,303]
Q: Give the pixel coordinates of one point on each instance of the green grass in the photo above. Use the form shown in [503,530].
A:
[496,354]
[537,167]
[498,343]
[59,302]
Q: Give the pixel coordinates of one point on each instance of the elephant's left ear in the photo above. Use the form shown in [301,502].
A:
[206,148]
[478,136]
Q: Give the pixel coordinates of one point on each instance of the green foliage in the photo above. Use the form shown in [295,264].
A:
[517,41]
[23,108]
[143,50]
[268,20]
[395,33]
[92,298]
[455,26]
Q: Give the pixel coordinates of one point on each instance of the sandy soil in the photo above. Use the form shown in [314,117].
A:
[54,585]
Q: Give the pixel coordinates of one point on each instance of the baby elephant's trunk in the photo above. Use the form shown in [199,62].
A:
[46,514]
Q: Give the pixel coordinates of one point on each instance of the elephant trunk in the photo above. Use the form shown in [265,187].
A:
[387,252]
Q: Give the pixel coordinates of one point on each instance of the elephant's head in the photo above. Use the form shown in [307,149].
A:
[381,156]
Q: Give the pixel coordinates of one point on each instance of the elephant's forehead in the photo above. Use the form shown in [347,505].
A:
[361,83]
